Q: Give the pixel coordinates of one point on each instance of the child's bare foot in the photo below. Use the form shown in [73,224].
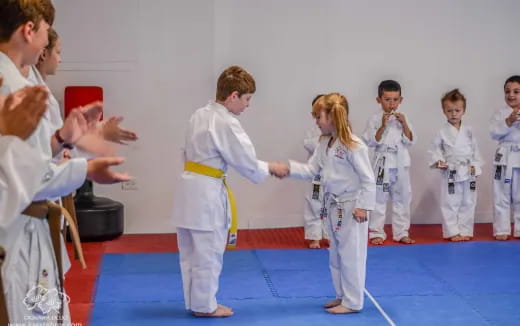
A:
[314,244]
[457,238]
[332,303]
[407,240]
[221,311]
[377,241]
[466,238]
[502,237]
[340,310]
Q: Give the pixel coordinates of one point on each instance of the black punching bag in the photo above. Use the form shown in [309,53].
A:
[99,218]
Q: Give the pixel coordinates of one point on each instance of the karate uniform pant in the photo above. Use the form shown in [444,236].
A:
[313,225]
[506,195]
[201,255]
[30,263]
[458,209]
[348,256]
[400,193]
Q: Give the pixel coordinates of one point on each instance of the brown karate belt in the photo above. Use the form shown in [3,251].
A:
[67,202]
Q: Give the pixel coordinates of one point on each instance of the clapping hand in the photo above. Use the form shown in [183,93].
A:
[21,111]
[112,132]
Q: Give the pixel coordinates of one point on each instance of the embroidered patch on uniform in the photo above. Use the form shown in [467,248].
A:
[45,273]
[340,153]
[316,191]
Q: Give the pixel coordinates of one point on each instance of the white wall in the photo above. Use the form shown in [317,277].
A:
[158,60]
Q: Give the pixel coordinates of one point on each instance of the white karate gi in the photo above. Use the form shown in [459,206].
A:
[21,171]
[214,138]
[31,260]
[391,158]
[458,148]
[348,183]
[313,225]
[506,183]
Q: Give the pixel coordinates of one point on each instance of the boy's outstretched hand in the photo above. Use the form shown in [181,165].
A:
[112,132]
[98,170]
[279,169]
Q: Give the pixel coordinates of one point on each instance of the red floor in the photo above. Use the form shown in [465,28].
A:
[80,284]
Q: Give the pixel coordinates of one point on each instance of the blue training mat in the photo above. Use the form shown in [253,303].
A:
[473,283]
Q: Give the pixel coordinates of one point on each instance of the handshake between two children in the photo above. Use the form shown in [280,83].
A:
[279,169]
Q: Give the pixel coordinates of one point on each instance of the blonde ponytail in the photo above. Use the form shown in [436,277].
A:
[336,105]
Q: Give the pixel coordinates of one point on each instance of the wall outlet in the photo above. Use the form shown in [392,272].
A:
[129,185]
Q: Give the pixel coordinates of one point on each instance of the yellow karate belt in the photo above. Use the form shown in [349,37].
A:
[219,174]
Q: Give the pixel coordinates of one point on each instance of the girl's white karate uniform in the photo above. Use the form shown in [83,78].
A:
[214,138]
[391,158]
[31,261]
[348,183]
[458,148]
[506,183]
[313,225]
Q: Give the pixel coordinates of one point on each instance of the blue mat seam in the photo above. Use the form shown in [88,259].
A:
[267,278]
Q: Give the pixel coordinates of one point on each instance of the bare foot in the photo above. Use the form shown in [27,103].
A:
[340,310]
[457,238]
[332,303]
[407,240]
[377,241]
[314,244]
[502,237]
[466,238]
[221,311]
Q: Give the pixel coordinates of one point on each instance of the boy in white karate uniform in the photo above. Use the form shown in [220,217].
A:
[203,209]
[505,128]
[455,151]
[349,192]
[390,134]
[18,182]
[313,224]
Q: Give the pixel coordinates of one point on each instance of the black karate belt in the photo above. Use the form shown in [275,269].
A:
[4,318]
